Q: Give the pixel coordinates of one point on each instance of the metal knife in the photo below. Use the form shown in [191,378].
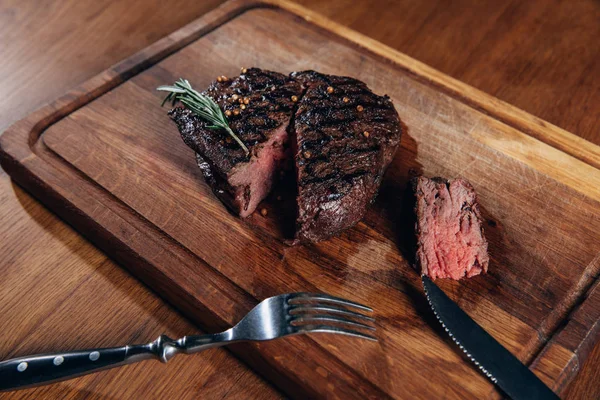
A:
[497,363]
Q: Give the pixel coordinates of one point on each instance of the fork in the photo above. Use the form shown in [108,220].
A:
[275,317]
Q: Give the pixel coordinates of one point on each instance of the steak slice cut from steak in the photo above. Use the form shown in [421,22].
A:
[450,240]
[261,106]
[344,137]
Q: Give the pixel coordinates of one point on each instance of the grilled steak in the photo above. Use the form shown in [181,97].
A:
[260,103]
[450,240]
[344,137]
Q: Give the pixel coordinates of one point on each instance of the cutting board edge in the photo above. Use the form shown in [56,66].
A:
[506,113]
[572,342]
[17,141]
[109,238]
[523,121]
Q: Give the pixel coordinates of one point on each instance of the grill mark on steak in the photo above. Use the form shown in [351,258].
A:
[339,167]
[242,181]
[341,150]
[270,105]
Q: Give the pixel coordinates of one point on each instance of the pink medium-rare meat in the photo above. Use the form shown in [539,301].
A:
[450,240]
[340,135]
[258,105]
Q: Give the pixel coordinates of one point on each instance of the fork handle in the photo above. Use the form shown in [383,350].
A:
[23,372]
[42,369]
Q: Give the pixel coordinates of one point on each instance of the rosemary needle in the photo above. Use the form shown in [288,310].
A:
[201,105]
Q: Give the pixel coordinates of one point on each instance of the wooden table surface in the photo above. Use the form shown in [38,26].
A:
[59,292]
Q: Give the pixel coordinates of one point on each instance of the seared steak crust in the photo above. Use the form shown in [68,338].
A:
[345,138]
[260,103]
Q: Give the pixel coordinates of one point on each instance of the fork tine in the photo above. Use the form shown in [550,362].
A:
[320,318]
[305,308]
[334,329]
[327,298]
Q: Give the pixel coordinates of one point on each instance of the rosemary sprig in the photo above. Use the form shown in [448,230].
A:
[202,106]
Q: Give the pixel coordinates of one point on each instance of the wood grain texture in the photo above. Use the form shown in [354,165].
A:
[30,76]
[585,385]
[541,56]
[60,292]
[49,46]
[156,160]
[515,117]
[57,290]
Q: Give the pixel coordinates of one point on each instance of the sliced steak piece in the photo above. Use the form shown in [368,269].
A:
[344,137]
[261,106]
[450,240]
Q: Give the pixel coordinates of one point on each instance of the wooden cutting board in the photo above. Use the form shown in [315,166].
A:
[108,160]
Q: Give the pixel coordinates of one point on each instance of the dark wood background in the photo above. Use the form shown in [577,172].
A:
[58,291]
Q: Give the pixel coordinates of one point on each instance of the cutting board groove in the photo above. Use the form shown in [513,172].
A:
[106,158]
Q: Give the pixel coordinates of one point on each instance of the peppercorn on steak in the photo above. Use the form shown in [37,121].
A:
[340,135]
[345,138]
[257,106]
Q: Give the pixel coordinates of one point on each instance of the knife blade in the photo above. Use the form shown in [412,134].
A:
[494,360]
